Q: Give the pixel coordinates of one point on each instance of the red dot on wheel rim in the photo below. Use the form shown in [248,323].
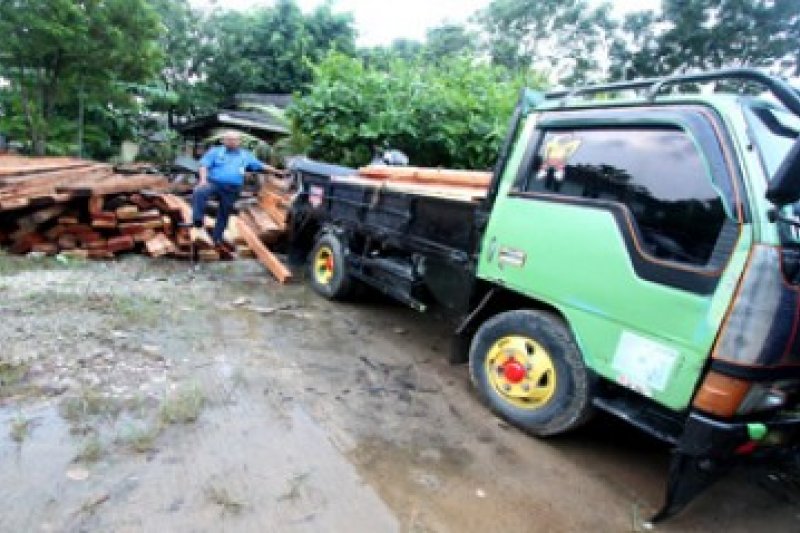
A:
[513,371]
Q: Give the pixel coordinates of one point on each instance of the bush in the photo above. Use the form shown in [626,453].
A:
[452,113]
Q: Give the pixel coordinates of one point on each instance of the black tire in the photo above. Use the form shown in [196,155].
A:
[340,284]
[569,404]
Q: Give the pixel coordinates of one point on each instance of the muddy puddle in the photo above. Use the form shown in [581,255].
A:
[142,395]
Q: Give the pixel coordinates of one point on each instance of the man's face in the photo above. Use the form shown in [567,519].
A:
[231,141]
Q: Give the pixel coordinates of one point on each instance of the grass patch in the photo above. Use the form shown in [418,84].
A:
[16,264]
[221,497]
[183,406]
[12,375]
[20,428]
[14,379]
[91,450]
[142,310]
[140,438]
[90,402]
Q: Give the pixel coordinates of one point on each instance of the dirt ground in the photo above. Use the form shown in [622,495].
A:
[141,396]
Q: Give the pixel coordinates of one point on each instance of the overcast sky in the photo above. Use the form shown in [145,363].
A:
[382,21]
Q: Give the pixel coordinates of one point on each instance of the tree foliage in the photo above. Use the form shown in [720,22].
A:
[560,36]
[705,34]
[453,114]
[55,52]
[270,49]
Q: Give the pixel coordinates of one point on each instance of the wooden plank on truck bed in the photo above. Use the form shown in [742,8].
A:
[273,264]
[431,176]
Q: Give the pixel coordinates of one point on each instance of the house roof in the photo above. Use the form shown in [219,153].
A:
[258,124]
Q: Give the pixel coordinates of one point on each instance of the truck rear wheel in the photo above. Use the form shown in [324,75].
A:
[529,370]
[328,268]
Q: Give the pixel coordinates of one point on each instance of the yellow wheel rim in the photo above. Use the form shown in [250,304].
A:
[323,265]
[521,371]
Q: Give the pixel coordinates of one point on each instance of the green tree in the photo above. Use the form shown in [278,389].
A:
[270,49]
[564,36]
[183,35]
[56,52]
[450,40]
[707,34]
[450,114]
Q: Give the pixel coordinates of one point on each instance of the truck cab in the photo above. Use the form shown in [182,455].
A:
[639,231]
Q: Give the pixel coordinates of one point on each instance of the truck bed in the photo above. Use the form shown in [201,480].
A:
[428,228]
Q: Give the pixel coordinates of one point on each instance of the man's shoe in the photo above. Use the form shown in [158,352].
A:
[226,250]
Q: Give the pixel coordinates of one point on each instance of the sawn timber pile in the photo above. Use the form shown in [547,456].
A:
[81,209]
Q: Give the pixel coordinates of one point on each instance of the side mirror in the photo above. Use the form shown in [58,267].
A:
[784,187]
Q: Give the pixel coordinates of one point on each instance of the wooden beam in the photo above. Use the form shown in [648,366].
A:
[273,264]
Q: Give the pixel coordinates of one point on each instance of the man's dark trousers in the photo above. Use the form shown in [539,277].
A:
[225,194]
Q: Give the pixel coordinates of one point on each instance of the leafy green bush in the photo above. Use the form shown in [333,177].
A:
[452,113]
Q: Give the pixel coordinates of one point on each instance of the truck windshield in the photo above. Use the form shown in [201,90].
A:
[775,131]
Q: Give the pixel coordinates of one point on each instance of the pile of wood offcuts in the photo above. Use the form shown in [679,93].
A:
[80,209]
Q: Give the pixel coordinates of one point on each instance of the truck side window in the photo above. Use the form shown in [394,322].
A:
[657,173]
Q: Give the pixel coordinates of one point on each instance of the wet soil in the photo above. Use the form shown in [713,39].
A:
[141,395]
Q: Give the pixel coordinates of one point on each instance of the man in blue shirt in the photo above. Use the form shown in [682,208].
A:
[222,171]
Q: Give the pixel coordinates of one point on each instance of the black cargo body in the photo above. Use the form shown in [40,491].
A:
[415,247]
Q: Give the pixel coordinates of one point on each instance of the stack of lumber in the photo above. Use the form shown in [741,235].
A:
[85,210]
[39,182]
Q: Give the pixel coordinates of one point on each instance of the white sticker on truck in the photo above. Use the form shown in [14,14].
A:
[643,364]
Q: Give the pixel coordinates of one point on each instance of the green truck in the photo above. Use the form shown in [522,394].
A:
[636,252]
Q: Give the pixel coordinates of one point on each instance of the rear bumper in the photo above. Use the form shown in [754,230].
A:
[704,436]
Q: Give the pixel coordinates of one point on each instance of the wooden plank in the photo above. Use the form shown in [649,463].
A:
[100,253]
[144,235]
[174,204]
[100,223]
[431,176]
[24,244]
[77,253]
[96,204]
[121,244]
[42,216]
[159,246]
[208,255]
[115,184]
[262,223]
[67,242]
[141,202]
[200,238]
[68,219]
[47,248]
[97,244]
[127,212]
[273,264]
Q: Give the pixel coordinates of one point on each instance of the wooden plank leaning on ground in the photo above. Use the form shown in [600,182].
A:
[273,264]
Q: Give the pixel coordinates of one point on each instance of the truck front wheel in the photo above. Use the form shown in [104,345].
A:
[328,269]
[529,370]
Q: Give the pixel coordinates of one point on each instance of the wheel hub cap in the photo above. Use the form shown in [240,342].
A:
[521,372]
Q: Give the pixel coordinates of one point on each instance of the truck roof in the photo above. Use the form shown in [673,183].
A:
[720,101]
[651,92]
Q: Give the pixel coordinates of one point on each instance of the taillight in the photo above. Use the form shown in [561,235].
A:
[725,396]
[721,395]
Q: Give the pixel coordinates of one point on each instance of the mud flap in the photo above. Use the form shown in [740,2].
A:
[689,476]
[704,454]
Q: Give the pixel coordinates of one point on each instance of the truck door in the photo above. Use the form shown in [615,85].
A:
[632,224]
